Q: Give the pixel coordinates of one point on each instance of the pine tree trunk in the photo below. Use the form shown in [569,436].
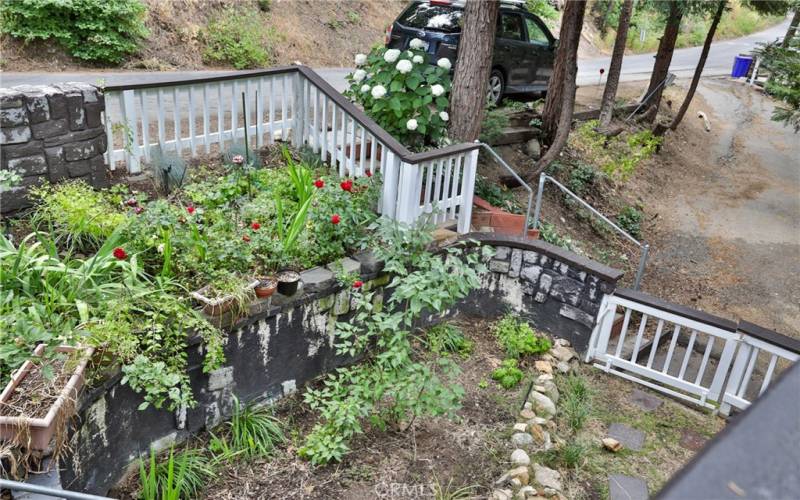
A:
[792,27]
[473,66]
[569,37]
[568,85]
[664,55]
[698,71]
[610,91]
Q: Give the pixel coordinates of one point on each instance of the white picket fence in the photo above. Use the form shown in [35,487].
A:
[288,104]
[708,360]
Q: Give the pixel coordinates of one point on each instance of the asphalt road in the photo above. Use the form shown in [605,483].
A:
[634,67]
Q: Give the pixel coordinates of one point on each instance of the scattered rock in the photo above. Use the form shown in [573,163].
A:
[548,478]
[542,404]
[534,148]
[562,342]
[515,483]
[612,444]
[501,495]
[526,492]
[563,367]
[547,357]
[527,406]
[549,389]
[631,438]
[543,366]
[544,377]
[528,413]
[519,457]
[562,353]
[537,432]
[520,473]
[521,439]
[521,427]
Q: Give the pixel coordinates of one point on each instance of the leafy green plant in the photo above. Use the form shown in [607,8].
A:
[617,156]
[446,338]
[238,37]
[542,8]
[104,31]
[518,338]
[581,178]
[548,233]
[783,65]
[497,195]
[182,475]
[576,405]
[508,375]
[449,491]
[571,455]
[252,432]
[495,121]
[404,94]
[390,385]
[630,219]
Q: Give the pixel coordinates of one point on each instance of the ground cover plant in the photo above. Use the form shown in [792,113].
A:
[114,268]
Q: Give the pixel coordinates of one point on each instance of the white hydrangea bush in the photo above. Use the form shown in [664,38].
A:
[405,93]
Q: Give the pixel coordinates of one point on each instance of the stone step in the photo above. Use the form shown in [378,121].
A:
[514,135]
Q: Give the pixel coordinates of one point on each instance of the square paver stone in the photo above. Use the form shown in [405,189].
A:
[644,400]
[626,488]
[629,437]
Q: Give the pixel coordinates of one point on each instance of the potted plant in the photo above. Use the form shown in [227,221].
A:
[288,282]
[266,286]
[224,293]
[41,396]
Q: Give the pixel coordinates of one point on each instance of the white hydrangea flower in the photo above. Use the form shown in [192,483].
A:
[378,91]
[361,59]
[404,66]
[444,116]
[416,43]
[411,124]
[437,90]
[444,63]
[409,53]
[365,88]
[391,55]
[359,75]
[418,59]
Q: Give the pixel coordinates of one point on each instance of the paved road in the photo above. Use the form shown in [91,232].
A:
[635,67]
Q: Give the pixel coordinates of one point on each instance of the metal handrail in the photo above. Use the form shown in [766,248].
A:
[519,179]
[50,492]
[644,246]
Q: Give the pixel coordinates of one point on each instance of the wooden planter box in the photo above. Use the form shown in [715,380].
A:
[41,430]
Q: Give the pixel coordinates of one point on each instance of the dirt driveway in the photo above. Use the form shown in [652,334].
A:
[728,204]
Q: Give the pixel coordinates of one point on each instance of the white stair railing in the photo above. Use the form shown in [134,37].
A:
[688,354]
[201,116]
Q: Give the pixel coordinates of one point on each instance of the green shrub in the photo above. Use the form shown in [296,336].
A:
[494,122]
[576,405]
[508,375]
[518,338]
[252,431]
[93,30]
[548,233]
[617,156]
[497,194]
[542,8]
[182,475]
[630,219]
[581,177]
[446,338]
[404,94]
[238,37]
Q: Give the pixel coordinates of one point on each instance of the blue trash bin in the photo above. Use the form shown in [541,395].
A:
[741,65]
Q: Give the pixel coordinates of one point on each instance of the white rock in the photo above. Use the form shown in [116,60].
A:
[542,404]
[562,342]
[515,483]
[527,406]
[521,439]
[546,477]
[519,457]
[520,427]
[501,495]
[525,492]
[544,377]
[562,353]
[563,367]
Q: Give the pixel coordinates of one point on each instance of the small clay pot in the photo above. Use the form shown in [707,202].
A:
[288,281]
[266,287]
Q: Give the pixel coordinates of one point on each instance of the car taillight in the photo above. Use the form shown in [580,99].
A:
[388,35]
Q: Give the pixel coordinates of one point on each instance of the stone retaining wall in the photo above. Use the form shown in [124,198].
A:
[51,133]
[286,342]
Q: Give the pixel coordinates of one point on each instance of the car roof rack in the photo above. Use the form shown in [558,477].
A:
[520,4]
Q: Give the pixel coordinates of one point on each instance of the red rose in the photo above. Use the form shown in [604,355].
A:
[256,226]
[335,218]
[190,209]
[120,253]
[347,185]
[246,238]
[319,183]
[138,210]
[358,284]
[369,173]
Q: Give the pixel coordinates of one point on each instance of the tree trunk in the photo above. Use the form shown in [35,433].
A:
[567,85]
[610,91]
[570,35]
[664,55]
[792,28]
[468,97]
[698,71]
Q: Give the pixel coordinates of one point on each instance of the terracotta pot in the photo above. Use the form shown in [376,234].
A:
[266,287]
[41,430]
[288,281]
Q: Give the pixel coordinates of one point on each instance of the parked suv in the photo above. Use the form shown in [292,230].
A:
[523,47]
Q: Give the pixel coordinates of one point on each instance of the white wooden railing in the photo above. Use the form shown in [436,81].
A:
[685,353]
[289,104]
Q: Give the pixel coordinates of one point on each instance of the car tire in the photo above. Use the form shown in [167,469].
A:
[497,87]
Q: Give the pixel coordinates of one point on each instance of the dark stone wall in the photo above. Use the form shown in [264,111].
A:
[51,133]
[284,343]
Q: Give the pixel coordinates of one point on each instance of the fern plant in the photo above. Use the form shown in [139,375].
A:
[518,338]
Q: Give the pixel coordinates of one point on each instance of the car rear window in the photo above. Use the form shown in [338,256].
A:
[444,18]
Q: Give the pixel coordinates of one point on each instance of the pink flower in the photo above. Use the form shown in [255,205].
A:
[120,254]
[138,210]
[131,202]
[238,159]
